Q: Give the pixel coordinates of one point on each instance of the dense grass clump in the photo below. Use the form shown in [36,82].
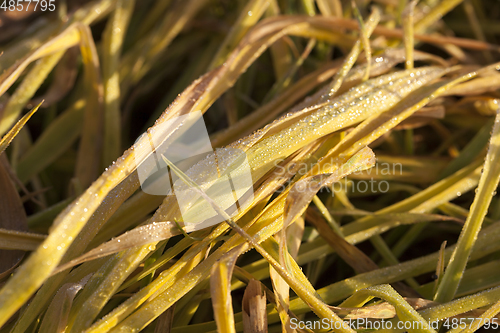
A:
[366,135]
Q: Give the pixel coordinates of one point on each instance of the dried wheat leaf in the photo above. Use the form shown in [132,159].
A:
[254,309]
[12,218]
[56,317]
[355,258]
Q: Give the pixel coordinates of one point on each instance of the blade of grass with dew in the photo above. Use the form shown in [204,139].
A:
[61,236]
[435,14]
[311,251]
[408,40]
[112,41]
[11,134]
[65,73]
[335,115]
[26,90]
[485,191]
[340,114]
[475,279]
[134,211]
[18,240]
[66,39]
[484,320]
[146,234]
[365,38]
[343,289]
[140,318]
[220,281]
[270,111]
[280,52]
[102,285]
[303,191]
[404,310]
[53,142]
[56,317]
[160,39]
[249,16]
[87,167]
[456,307]
[265,190]
[392,118]
[162,282]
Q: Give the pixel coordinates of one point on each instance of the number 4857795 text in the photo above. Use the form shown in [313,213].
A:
[27,5]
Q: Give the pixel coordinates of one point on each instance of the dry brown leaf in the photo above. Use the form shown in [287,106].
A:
[12,217]
[56,317]
[254,309]
[354,257]
[165,321]
[149,233]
